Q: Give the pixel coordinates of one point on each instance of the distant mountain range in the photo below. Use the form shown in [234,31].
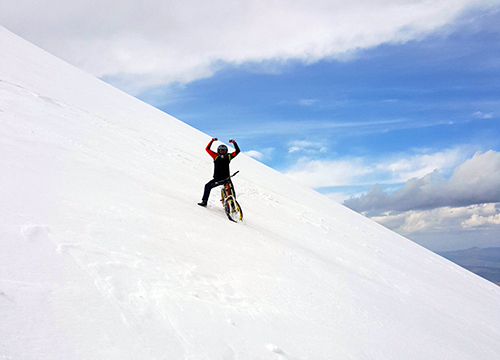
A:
[483,262]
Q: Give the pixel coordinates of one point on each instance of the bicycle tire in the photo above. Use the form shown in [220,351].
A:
[233,210]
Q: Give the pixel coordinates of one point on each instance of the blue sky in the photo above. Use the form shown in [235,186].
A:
[391,107]
[423,96]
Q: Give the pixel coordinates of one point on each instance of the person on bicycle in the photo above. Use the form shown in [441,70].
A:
[221,166]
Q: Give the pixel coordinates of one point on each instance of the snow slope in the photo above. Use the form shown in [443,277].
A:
[105,254]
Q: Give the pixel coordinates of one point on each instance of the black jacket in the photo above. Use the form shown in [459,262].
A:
[221,163]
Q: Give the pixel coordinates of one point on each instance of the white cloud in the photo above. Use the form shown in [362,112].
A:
[254,154]
[145,43]
[362,171]
[418,165]
[338,196]
[476,221]
[315,127]
[262,154]
[476,181]
[308,102]
[481,115]
[307,147]
[321,173]
[444,219]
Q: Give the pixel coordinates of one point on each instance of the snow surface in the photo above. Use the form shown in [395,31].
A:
[105,254]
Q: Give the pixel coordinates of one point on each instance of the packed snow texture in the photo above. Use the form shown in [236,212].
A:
[105,254]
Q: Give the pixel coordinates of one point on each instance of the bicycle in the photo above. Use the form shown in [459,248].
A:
[228,200]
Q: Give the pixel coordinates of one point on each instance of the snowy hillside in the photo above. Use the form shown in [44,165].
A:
[105,254]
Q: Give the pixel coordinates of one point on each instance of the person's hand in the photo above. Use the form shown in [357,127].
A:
[232,141]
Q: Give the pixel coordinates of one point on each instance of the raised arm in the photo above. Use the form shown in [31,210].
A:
[236,147]
[209,151]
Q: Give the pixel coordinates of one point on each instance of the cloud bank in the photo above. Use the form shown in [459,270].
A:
[138,44]
[476,181]
[316,172]
[444,218]
[467,201]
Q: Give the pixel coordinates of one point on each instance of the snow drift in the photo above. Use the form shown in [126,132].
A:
[105,254]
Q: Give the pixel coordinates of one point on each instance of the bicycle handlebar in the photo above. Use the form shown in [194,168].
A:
[221,182]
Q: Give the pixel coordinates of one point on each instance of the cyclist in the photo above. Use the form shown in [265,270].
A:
[221,166]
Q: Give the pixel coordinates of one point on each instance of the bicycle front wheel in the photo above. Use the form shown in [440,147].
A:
[233,210]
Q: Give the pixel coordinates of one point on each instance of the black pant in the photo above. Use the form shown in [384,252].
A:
[209,186]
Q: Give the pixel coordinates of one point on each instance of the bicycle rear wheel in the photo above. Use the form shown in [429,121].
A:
[233,210]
